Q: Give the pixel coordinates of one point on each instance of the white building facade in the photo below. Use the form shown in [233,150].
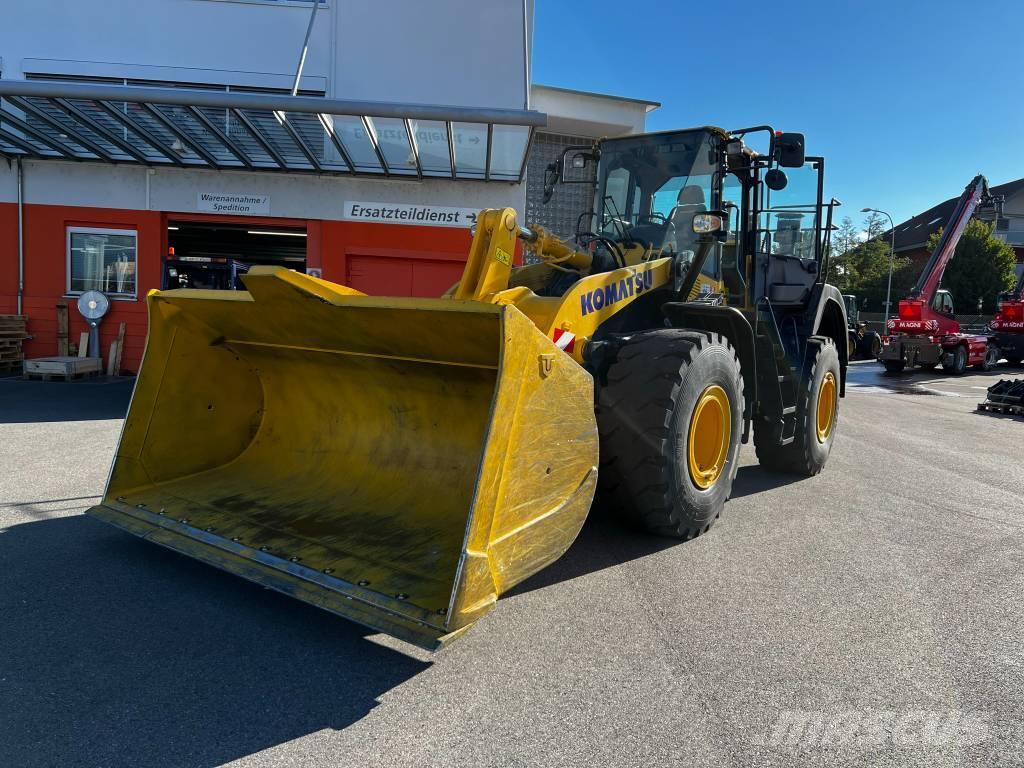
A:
[428,118]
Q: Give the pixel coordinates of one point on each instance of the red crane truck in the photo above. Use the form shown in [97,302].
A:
[1008,325]
[925,331]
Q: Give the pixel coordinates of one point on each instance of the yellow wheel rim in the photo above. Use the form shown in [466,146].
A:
[826,415]
[710,433]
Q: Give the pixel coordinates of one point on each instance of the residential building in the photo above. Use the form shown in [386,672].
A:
[912,235]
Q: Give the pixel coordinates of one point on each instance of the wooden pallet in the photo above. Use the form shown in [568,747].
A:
[12,322]
[12,332]
[1004,408]
[62,368]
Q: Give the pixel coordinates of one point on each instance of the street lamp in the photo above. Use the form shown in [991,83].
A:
[892,256]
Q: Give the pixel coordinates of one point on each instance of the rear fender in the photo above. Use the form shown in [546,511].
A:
[830,321]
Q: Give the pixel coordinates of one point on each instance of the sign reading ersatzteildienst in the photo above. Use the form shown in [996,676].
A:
[410,213]
[217,202]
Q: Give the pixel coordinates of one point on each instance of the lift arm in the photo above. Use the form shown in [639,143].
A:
[974,194]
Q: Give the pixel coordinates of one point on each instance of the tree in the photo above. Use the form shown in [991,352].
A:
[875,224]
[982,268]
[846,235]
[870,264]
[844,240]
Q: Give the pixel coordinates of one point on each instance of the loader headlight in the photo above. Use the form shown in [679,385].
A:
[706,223]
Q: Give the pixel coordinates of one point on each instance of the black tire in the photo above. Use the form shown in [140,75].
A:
[876,344]
[644,418]
[991,359]
[851,345]
[959,362]
[893,366]
[808,453]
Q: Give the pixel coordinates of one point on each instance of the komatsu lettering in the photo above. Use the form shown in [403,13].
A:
[612,293]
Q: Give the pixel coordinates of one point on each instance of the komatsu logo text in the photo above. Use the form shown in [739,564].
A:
[616,292]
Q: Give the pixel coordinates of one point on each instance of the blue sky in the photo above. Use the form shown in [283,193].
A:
[907,100]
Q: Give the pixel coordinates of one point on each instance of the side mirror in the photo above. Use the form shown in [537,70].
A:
[776,179]
[580,160]
[789,149]
[712,222]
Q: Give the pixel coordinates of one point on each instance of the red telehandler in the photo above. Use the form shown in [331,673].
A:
[1008,325]
[925,332]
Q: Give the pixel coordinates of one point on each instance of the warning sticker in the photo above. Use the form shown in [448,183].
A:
[564,340]
[503,256]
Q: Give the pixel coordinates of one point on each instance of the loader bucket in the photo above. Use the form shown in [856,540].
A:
[400,462]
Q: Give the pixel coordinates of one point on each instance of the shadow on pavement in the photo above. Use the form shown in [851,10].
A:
[114,651]
[23,401]
[605,542]
[753,479]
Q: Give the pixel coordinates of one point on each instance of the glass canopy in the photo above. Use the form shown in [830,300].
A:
[261,132]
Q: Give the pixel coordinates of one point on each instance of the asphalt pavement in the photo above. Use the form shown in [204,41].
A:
[867,616]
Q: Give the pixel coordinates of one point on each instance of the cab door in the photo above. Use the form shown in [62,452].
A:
[790,237]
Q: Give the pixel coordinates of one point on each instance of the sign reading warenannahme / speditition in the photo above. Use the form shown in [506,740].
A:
[410,213]
[217,202]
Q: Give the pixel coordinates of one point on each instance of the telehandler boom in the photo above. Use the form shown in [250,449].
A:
[925,332]
[402,462]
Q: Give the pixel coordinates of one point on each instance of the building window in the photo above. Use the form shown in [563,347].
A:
[102,260]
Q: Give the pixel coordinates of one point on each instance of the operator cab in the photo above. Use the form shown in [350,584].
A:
[740,230]
[649,188]
[943,303]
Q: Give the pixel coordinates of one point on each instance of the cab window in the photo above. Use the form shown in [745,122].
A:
[790,220]
[943,302]
[616,190]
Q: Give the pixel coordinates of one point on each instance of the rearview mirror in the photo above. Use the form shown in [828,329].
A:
[789,149]
[709,223]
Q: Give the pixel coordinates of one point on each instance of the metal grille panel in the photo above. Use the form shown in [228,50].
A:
[560,214]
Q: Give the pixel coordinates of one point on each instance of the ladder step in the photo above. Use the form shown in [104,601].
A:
[782,379]
[788,440]
[789,409]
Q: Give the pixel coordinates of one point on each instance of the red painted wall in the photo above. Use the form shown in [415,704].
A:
[46,274]
[8,258]
[352,249]
[382,259]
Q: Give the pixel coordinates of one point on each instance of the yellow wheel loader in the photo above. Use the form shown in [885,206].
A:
[402,462]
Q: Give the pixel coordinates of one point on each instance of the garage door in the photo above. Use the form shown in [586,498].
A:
[388,276]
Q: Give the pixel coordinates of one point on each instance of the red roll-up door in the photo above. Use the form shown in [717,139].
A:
[395,276]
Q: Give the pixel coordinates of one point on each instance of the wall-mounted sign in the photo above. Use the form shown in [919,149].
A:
[410,213]
[244,205]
